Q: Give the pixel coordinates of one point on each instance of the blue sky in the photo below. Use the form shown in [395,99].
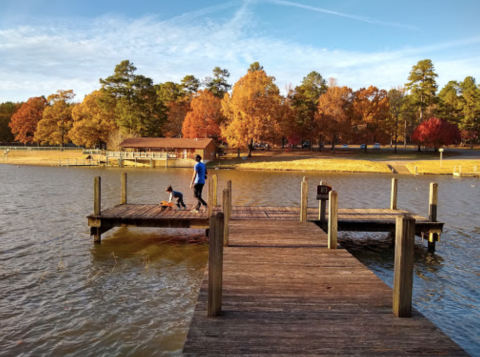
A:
[46,45]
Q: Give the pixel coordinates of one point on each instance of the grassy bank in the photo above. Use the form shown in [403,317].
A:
[312,164]
[39,157]
[447,168]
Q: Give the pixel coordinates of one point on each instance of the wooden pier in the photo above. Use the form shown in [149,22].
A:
[285,293]
[277,282]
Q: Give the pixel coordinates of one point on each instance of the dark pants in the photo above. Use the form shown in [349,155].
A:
[180,202]
[197,193]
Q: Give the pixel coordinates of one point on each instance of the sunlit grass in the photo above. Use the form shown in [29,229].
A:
[447,167]
[319,165]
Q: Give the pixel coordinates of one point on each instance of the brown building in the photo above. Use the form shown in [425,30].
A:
[175,147]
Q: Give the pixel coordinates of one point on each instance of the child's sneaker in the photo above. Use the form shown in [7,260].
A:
[204,209]
[194,211]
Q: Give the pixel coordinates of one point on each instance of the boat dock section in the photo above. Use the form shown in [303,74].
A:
[285,293]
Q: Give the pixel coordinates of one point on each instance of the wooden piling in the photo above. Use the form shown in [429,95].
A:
[97,205]
[403,271]
[214,187]
[226,205]
[304,200]
[332,219]
[393,200]
[432,212]
[124,188]
[322,207]
[210,197]
[229,187]
[215,265]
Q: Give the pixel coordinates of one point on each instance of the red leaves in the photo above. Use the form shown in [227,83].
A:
[24,121]
[435,133]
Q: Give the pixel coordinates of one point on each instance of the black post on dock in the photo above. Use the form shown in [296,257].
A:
[403,271]
[97,206]
[215,265]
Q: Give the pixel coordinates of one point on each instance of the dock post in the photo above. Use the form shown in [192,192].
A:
[215,265]
[432,212]
[229,187]
[210,197]
[393,200]
[332,219]
[322,207]
[214,187]
[304,200]
[97,205]
[124,188]
[403,271]
[227,213]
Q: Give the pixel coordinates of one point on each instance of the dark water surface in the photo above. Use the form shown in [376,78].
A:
[133,295]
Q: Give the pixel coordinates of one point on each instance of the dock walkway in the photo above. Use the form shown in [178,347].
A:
[285,293]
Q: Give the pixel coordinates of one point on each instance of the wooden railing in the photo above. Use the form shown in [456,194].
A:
[147,155]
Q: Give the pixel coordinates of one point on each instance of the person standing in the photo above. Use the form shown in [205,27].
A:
[198,181]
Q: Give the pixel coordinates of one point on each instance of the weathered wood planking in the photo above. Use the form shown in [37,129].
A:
[285,293]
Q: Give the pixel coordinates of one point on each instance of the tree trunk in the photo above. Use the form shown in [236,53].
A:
[283,143]
[250,148]
[396,134]
[320,144]
[405,135]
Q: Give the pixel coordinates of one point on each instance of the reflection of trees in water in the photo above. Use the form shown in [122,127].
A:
[377,251]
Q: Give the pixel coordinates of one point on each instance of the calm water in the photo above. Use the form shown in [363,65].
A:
[134,294]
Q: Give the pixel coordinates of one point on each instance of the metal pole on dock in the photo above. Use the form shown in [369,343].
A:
[215,265]
[332,219]
[227,213]
[124,188]
[304,200]
[432,212]
[322,207]
[393,200]
[403,271]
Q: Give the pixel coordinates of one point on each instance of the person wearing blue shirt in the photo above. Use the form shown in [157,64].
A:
[198,181]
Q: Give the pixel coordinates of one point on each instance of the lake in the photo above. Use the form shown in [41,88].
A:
[133,295]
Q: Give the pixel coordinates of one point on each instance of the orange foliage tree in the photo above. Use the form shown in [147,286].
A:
[370,111]
[334,112]
[24,122]
[53,128]
[205,117]
[252,111]
[92,122]
[176,113]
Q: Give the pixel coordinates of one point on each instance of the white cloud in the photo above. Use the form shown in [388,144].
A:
[74,54]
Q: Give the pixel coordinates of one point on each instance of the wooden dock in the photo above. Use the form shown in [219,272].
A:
[286,293]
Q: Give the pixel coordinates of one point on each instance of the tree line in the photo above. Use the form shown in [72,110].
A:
[253,110]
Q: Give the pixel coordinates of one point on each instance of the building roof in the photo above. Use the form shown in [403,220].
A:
[166,143]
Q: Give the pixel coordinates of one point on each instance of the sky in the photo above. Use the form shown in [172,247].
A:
[49,45]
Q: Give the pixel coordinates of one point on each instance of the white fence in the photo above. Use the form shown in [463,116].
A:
[56,148]
[133,155]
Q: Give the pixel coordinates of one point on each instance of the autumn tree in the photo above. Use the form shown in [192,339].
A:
[92,124]
[251,111]
[334,112]
[435,133]
[218,84]
[24,122]
[205,117]
[305,100]
[176,113]
[56,122]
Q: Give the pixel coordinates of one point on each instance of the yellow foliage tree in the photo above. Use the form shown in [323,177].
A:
[56,122]
[252,111]
[205,117]
[92,123]
[334,112]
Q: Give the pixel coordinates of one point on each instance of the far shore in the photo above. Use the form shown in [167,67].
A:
[351,160]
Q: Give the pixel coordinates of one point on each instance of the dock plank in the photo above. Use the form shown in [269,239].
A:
[285,293]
